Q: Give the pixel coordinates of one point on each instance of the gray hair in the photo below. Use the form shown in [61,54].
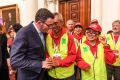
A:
[59,15]
[116,21]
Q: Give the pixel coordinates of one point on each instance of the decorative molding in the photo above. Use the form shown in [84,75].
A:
[51,1]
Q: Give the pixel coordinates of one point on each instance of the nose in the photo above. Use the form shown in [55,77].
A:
[54,26]
[50,26]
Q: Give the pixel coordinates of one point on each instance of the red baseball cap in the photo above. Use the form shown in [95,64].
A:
[78,24]
[95,27]
[94,21]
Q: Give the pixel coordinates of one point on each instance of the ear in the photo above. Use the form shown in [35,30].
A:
[39,22]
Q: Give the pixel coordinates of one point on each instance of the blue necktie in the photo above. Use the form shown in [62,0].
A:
[42,39]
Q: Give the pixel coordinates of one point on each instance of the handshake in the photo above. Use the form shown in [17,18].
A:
[51,62]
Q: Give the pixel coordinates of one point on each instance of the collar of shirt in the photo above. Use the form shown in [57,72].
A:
[36,28]
[93,48]
[78,37]
[57,39]
[97,42]
[115,37]
[14,36]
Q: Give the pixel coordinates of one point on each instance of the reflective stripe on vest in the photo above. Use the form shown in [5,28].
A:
[97,69]
[114,46]
[59,72]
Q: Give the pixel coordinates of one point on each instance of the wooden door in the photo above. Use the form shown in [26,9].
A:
[78,10]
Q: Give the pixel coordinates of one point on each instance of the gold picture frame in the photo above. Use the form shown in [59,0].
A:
[10,15]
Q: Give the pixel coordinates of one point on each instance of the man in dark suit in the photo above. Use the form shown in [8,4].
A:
[28,50]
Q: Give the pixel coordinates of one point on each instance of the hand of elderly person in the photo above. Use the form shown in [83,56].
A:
[103,40]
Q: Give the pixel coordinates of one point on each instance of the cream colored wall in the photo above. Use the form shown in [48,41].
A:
[41,3]
[106,11]
[52,5]
[27,9]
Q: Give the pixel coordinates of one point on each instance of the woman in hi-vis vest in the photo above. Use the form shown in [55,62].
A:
[78,34]
[78,39]
[93,54]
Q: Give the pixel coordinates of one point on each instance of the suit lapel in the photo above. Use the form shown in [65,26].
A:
[36,35]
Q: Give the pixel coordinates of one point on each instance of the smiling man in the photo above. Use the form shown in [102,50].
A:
[113,39]
[61,49]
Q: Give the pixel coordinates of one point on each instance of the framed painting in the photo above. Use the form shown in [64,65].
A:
[9,14]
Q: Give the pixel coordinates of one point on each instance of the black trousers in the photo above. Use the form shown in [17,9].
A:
[77,73]
[69,78]
[113,71]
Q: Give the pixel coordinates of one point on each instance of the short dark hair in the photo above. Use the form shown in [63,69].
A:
[16,27]
[43,14]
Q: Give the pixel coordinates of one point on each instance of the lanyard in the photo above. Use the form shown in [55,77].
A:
[79,42]
[56,47]
[114,40]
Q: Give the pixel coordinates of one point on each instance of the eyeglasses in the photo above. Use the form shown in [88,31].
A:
[92,33]
[56,23]
[49,25]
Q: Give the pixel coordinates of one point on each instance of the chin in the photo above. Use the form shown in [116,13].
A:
[91,39]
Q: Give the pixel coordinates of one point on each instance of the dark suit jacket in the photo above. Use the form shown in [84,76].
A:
[27,54]
[4,75]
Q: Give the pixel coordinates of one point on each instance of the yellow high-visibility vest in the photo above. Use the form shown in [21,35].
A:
[59,72]
[114,46]
[77,43]
[97,69]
